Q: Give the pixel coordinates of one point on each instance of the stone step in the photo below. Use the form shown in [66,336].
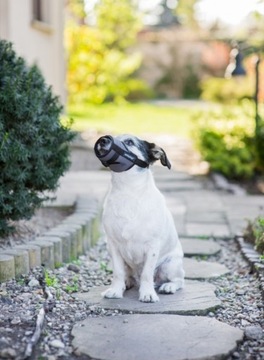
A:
[195,298]
[209,229]
[203,270]
[155,337]
[175,186]
[198,269]
[196,247]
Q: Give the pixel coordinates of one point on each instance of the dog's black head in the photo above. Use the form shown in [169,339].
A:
[123,152]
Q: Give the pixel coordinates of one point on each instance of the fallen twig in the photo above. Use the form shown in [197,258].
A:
[47,306]
[37,333]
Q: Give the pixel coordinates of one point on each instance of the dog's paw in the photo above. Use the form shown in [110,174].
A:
[170,287]
[150,297]
[130,282]
[112,293]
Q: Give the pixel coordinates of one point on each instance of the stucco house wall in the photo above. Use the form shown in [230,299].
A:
[35,27]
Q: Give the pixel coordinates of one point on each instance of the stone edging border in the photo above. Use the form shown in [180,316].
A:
[253,257]
[74,236]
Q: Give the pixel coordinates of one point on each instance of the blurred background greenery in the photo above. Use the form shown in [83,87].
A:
[122,55]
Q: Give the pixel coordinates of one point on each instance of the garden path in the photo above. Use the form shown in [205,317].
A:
[171,328]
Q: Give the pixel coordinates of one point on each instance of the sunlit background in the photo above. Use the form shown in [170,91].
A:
[228,12]
[190,72]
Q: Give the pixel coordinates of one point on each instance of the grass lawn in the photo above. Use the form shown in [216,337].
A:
[139,118]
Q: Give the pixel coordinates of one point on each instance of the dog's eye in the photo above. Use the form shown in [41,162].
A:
[129,142]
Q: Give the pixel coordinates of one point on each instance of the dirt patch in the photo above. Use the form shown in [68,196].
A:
[27,230]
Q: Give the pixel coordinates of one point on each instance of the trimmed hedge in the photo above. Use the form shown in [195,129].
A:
[254,234]
[34,146]
[227,141]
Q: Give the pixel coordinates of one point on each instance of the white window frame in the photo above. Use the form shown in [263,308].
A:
[41,16]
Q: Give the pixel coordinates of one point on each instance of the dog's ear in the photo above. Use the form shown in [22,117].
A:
[157,153]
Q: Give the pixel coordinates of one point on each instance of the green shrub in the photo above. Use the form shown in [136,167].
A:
[191,83]
[226,90]
[254,233]
[33,144]
[138,90]
[225,139]
[259,142]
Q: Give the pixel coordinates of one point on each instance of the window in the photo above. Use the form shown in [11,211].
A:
[41,16]
[41,11]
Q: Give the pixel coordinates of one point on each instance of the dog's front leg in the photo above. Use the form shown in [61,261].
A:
[118,284]
[147,292]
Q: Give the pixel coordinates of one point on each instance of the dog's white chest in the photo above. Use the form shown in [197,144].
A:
[124,206]
[121,216]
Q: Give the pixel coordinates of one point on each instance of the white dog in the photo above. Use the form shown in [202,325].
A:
[142,239]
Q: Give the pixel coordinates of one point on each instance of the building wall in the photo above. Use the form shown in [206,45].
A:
[174,59]
[37,41]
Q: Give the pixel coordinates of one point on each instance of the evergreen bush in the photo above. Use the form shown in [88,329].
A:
[34,145]
[226,141]
[254,234]
[226,91]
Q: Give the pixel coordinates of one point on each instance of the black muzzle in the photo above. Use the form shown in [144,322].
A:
[114,154]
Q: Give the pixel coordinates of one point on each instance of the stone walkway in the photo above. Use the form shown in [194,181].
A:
[176,327]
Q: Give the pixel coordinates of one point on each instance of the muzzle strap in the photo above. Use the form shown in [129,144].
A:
[112,160]
[118,157]
[129,156]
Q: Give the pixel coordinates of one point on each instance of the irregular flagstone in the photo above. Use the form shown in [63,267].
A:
[201,270]
[193,247]
[163,174]
[155,337]
[208,229]
[194,299]
[216,217]
[178,185]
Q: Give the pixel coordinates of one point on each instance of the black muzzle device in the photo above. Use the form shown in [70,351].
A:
[114,154]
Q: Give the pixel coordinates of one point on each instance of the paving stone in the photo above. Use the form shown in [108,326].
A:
[180,226]
[208,229]
[172,186]
[161,173]
[176,205]
[217,217]
[193,247]
[155,337]
[201,270]
[203,200]
[194,299]
[84,183]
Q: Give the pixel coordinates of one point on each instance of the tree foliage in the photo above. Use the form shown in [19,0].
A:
[33,144]
[100,66]
[118,23]
[76,9]
[186,10]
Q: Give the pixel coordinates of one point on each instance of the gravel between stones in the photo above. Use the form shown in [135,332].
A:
[242,303]
[20,302]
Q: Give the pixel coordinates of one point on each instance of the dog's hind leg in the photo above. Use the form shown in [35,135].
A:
[130,279]
[169,275]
